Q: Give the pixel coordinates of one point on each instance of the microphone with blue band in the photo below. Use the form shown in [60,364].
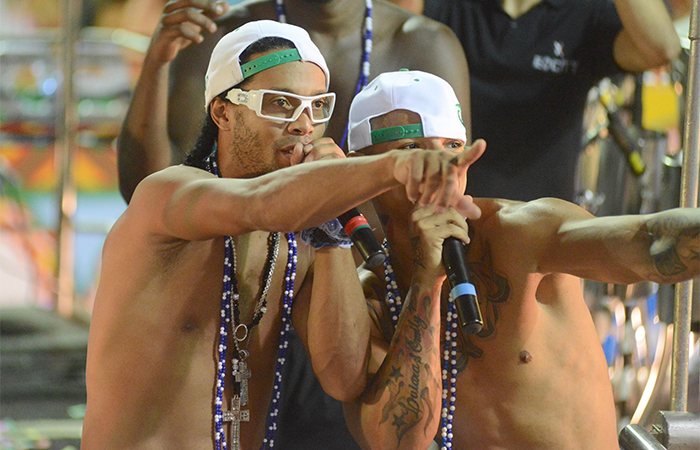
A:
[463,292]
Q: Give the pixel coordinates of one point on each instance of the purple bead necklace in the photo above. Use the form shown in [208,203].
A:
[449,356]
[241,333]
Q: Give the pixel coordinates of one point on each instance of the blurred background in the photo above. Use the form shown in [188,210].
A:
[59,198]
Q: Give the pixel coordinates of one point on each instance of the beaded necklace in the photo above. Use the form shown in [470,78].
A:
[449,355]
[366,50]
[241,333]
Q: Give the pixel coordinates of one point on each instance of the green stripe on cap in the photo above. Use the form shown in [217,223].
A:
[270,60]
[396,133]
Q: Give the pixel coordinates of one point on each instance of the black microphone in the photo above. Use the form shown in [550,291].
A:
[463,292]
[357,227]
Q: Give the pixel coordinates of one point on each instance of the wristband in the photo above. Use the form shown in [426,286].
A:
[329,234]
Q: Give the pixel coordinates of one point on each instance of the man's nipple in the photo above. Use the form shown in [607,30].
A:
[525,357]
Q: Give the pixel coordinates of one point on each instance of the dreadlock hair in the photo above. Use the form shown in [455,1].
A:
[209,131]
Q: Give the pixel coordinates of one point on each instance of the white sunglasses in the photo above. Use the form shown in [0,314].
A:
[284,106]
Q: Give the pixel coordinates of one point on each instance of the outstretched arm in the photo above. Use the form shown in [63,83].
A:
[143,146]
[648,38]
[191,204]
[400,408]
[662,247]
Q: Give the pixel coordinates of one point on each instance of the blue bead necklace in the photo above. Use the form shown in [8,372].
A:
[449,355]
[366,50]
[241,333]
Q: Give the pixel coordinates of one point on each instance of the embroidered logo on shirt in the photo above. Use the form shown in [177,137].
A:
[558,49]
[556,64]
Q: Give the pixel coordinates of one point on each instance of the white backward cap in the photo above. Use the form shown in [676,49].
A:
[431,97]
[225,70]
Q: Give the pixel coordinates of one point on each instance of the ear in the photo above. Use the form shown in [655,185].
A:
[221,114]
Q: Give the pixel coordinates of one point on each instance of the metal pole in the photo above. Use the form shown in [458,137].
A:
[689,199]
[634,437]
[66,128]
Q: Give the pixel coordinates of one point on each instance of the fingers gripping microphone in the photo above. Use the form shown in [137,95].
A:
[357,227]
[463,292]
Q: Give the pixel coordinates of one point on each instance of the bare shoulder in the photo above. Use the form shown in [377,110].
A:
[535,210]
[138,224]
[552,210]
[526,222]
[149,191]
[410,28]
[245,12]
[155,193]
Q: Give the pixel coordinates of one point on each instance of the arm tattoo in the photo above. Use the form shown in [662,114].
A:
[675,245]
[494,291]
[412,373]
[417,252]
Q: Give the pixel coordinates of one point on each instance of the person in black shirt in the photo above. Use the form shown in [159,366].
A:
[532,63]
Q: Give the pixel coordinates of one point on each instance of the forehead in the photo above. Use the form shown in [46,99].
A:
[298,77]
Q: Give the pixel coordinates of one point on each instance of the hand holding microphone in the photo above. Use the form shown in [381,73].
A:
[463,292]
[439,242]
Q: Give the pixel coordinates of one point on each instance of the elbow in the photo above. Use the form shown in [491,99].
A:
[343,393]
[342,376]
[665,53]
[668,53]
[344,385]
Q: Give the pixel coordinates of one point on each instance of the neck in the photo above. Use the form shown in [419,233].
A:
[336,17]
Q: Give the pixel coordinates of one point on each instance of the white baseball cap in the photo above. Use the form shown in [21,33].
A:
[427,95]
[225,70]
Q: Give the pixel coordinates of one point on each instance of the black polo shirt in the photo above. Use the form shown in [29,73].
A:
[529,82]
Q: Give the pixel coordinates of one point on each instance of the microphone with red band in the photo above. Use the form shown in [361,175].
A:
[463,292]
[357,227]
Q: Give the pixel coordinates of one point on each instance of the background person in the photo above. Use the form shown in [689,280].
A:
[532,63]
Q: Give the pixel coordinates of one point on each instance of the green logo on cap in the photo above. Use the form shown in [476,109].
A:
[459,113]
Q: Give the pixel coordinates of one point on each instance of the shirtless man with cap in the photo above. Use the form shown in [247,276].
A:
[339,28]
[534,377]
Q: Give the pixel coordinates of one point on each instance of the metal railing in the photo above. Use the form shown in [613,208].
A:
[678,429]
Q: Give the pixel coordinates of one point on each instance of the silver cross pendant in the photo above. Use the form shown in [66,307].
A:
[242,375]
[236,416]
